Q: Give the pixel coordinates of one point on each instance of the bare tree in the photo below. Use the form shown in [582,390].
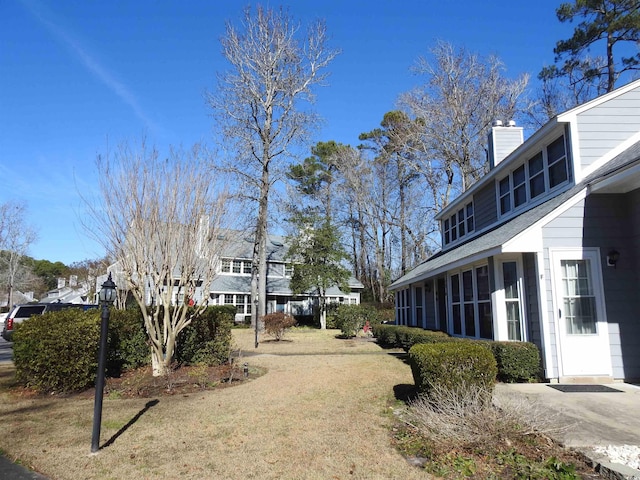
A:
[463,94]
[16,236]
[163,221]
[259,107]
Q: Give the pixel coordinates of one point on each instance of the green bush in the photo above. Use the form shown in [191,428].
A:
[57,351]
[351,318]
[517,361]
[207,339]
[385,335]
[276,324]
[452,366]
[128,342]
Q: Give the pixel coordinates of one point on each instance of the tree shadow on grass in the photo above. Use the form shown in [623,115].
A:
[137,416]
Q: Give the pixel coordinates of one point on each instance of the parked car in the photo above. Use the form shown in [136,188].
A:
[20,313]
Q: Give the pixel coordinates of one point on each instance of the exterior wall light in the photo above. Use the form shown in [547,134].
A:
[612,258]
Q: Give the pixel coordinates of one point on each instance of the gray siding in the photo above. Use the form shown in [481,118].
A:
[604,127]
[607,222]
[484,206]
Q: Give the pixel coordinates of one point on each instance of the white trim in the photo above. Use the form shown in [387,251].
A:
[501,326]
[570,115]
[519,242]
[545,335]
[557,254]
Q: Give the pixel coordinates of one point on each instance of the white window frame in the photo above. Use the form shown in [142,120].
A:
[509,196]
[475,301]
[502,327]
[462,217]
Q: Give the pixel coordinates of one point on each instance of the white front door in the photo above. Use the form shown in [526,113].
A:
[580,314]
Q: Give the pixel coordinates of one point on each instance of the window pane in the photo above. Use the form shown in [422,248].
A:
[513,320]
[467,286]
[226,265]
[228,298]
[455,288]
[457,323]
[536,165]
[519,196]
[510,277]
[536,185]
[505,204]
[485,320]
[236,266]
[461,223]
[469,320]
[504,186]
[579,300]
[518,176]
[482,282]
[555,151]
[558,173]
[246,267]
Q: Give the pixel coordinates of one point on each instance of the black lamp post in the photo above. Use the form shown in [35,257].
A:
[107,296]
[255,312]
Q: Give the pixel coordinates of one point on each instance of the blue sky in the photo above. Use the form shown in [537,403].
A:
[76,77]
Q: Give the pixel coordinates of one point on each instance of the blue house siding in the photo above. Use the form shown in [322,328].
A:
[531,299]
[603,127]
[484,206]
[603,221]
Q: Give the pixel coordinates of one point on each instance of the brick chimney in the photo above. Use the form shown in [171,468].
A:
[503,140]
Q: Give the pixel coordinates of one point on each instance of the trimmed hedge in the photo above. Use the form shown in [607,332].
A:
[57,351]
[207,339]
[128,346]
[517,361]
[452,366]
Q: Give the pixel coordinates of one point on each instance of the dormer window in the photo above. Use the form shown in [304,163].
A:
[459,224]
[557,161]
[532,179]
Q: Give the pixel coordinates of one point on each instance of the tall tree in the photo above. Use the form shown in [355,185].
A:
[462,96]
[16,236]
[163,222]
[318,255]
[607,24]
[261,106]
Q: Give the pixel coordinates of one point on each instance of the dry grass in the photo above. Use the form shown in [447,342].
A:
[318,413]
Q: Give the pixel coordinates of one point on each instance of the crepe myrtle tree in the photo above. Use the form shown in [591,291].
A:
[162,219]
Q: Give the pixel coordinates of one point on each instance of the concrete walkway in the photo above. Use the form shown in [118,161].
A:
[591,420]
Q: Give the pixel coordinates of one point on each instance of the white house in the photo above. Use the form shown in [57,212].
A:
[546,247]
[232,284]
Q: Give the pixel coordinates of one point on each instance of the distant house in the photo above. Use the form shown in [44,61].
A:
[232,284]
[546,247]
[74,292]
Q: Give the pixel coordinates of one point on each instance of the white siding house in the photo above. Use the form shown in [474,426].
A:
[546,247]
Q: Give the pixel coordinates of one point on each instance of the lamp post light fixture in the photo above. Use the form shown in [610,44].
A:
[107,296]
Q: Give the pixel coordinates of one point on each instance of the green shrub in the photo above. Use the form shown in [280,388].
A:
[517,361]
[57,351]
[276,324]
[128,346]
[385,334]
[207,339]
[351,318]
[452,366]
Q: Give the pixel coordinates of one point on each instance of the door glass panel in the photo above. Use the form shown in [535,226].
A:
[512,300]
[578,298]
